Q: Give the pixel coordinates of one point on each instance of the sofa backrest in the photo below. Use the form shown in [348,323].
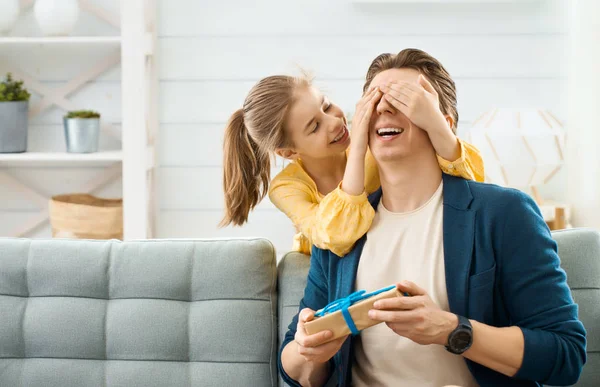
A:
[148,313]
[579,251]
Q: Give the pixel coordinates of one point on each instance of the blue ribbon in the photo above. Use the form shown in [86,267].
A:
[344,303]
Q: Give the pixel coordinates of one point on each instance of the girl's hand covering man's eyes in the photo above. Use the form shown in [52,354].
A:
[418,102]
[361,120]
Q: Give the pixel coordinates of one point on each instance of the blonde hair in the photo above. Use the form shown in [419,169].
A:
[252,134]
[425,64]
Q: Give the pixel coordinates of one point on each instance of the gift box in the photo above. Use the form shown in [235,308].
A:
[349,315]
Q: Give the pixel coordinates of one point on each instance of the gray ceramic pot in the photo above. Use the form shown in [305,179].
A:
[13,126]
[81,134]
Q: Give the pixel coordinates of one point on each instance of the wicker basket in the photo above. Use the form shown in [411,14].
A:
[84,216]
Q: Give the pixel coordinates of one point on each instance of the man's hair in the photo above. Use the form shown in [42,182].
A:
[425,64]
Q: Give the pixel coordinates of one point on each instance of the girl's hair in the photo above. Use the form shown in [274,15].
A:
[428,66]
[252,134]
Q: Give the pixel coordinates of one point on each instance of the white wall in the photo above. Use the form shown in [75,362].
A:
[211,53]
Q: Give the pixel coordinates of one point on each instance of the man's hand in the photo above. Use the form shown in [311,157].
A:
[416,317]
[311,347]
[418,102]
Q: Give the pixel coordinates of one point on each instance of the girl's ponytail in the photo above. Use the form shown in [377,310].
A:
[246,171]
[252,135]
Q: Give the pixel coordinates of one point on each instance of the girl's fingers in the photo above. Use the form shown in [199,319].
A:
[398,89]
[401,97]
[401,85]
[369,112]
[364,101]
[397,104]
[427,85]
[367,96]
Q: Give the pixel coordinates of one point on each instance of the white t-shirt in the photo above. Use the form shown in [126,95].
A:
[406,246]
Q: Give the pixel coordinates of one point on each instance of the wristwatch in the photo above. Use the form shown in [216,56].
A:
[461,338]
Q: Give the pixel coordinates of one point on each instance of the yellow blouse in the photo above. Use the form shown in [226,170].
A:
[337,220]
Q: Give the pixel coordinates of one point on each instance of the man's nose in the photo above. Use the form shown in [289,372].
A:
[385,107]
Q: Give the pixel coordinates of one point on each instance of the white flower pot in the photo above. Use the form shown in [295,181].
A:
[9,12]
[56,17]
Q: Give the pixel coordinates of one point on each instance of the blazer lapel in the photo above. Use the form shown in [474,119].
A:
[345,285]
[349,268]
[459,234]
[349,264]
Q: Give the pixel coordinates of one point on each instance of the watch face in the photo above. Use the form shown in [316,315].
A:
[461,340]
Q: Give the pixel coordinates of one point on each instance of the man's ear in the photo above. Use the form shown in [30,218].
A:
[286,153]
[450,122]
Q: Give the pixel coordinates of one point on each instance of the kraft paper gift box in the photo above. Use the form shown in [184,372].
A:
[350,314]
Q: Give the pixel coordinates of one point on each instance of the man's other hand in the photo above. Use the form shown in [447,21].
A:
[416,317]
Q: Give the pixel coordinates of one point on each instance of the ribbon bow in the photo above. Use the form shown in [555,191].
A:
[344,303]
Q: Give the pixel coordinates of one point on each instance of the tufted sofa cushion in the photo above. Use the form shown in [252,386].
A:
[148,313]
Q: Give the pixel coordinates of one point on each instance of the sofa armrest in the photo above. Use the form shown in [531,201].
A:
[292,273]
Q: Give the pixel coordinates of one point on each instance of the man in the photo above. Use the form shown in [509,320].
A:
[489,303]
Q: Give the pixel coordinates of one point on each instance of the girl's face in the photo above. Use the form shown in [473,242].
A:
[317,128]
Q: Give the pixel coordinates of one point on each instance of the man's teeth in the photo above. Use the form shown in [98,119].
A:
[389,131]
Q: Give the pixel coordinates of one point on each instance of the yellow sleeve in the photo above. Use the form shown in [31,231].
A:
[302,244]
[335,223]
[468,166]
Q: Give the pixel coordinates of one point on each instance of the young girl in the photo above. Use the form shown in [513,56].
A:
[324,189]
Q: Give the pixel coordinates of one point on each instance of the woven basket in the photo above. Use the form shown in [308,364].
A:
[84,216]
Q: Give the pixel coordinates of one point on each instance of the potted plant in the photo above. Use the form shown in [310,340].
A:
[82,130]
[14,109]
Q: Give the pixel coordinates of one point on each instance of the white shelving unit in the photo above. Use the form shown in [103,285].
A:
[60,157]
[114,40]
[134,163]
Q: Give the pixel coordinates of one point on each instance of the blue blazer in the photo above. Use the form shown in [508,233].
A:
[502,269]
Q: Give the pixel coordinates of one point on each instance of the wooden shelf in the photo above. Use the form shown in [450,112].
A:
[61,157]
[16,40]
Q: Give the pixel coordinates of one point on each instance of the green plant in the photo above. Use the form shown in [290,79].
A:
[82,114]
[11,90]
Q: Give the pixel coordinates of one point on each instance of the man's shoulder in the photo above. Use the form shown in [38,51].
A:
[488,196]
[489,191]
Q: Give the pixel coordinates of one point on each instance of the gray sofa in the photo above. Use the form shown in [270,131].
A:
[180,313]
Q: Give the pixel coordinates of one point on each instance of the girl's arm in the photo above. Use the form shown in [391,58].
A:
[334,224]
[468,165]
[353,182]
